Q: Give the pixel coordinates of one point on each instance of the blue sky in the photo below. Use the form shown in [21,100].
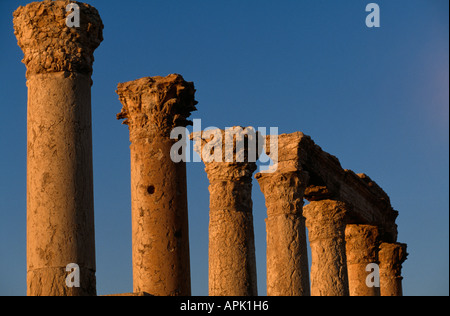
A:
[378,99]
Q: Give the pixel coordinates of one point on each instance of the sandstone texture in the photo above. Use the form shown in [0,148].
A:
[287,258]
[49,45]
[130,294]
[232,261]
[338,199]
[326,221]
[60,205]
[152,107]
[329,181]
[362,242]
[391,256]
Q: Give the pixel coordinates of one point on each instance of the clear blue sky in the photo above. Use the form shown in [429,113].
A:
[378,99]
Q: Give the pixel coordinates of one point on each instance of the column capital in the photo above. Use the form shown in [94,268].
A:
[326,218]
[226,171]
[156,105]
[230,154]
[392,256]
[284,188]
[49,45]
[362,243]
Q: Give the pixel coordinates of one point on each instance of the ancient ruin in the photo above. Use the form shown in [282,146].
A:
[338,199]
[60,202]
[348,217]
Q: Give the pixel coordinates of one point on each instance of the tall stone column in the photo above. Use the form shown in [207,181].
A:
[362,243]
[391,256]
[60,206]
[152,108]
[287,257]
[232,261]
[326,221]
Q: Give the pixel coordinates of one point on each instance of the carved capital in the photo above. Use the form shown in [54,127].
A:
[229,155]
[224,171]
[392,256]
[155,105]
[49,45]
[236,144]
[362,243]
[283,190]
[326,219]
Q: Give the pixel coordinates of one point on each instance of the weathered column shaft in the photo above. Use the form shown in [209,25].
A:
[326,221]
[232,261]
[287,257]
[391,258]
[152,107]
[362,243]
[60,205]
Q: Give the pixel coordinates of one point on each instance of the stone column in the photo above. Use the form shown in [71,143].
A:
[362,243]
[152,108]
[60,207]
[287,257]
[232,261]
[326,221]
[391,256]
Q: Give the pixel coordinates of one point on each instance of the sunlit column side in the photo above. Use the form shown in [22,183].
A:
[232,261]
[60,203]
[152,108]
[391,256]
[362,243]
[287,257]
[326,221]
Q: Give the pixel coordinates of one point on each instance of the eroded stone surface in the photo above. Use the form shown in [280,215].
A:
[362,242]
[156,105]
[232,262]
[60,207]
[49,45]
[130,294]
[391,256]
[329,181]
[287,259]
[326,221]
[337,197]
[152,107]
